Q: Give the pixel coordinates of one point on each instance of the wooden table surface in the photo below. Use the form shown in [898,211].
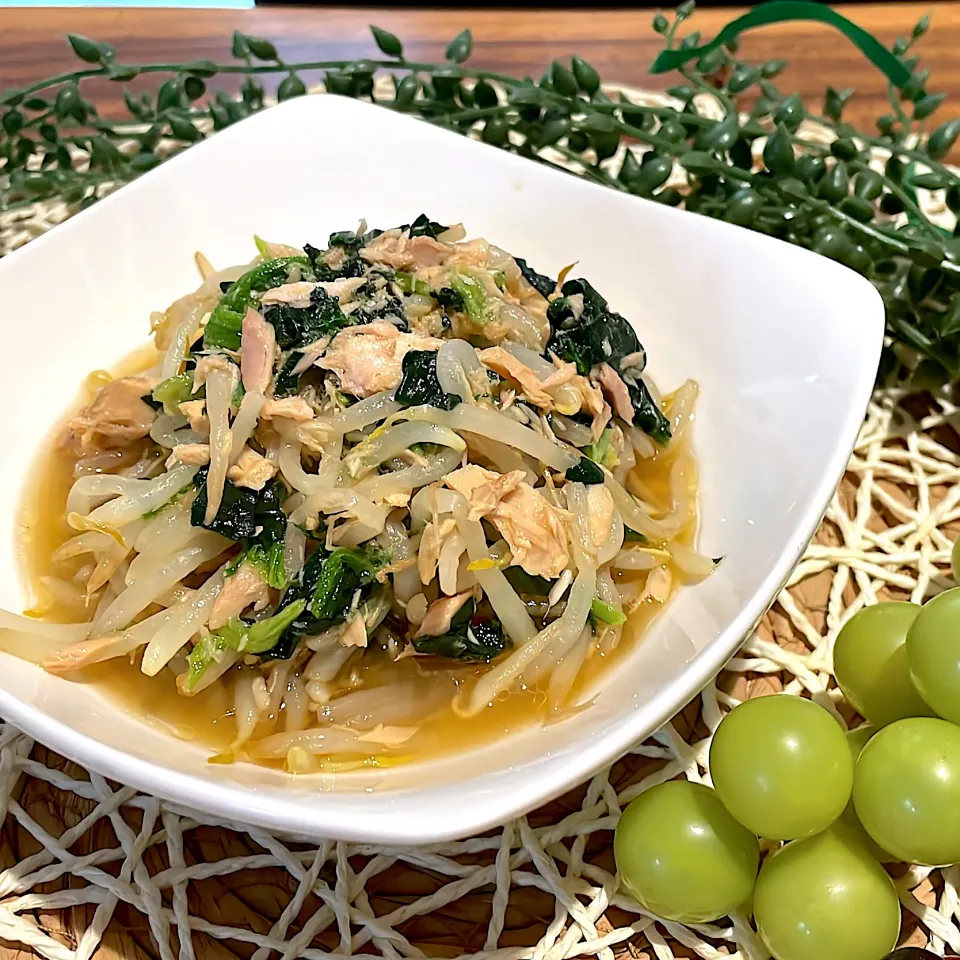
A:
[620,43]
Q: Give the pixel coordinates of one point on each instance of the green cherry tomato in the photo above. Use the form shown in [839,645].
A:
[906,790]
[826,898]
[933,652]
[870,663]
[781,766]
[856,741]
[682,856]
[955,561]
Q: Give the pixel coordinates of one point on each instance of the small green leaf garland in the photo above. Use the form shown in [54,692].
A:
[822,193]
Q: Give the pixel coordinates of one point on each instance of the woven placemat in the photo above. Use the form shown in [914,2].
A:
[89,867]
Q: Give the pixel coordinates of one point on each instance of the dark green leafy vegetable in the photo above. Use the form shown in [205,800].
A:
[342,574]
[631,536]
[223,327]
[467,639]
[300,592]
[528,583]
[176,390]
[300,326]
[472,297]
[255,638]
[597,335]
[423,226]
[286,383]
[647,415]
[236,517]
[449,299]
[264,551]
[419,384]
[540,282]
[585,470]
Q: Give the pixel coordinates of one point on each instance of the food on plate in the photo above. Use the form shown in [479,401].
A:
[364,502]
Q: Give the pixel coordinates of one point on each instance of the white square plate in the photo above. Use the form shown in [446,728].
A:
[783,343]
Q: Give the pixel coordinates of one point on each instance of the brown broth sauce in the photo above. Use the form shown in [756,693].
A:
[208,716]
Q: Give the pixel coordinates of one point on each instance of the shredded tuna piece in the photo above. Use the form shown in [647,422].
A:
[251,470]
[192,454]
[484,489]
[117,416]
[290,408]
[244,588]
[600,508]
[430,542]
[368,359]
[534,531]
[397,567]
[400,251]
[206,366]
[441,613]
[354,634]
[194,411]
[293,294]
[258,346]
[616,391]
[507,365]
[310,354]
[531,525]
[343,289]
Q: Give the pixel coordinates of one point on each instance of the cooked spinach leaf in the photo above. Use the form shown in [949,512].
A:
[223,327]
[586,332]
[300,592]
[300,326]
[329,584]
[585,471]
[176,390]
[467,639]
[265,549]
[286,383]
[375,305]
[472,296]
[647,414]
[449,299]
[236,517]
[419,384]
[423,226]
[344,252]
[591,335]
[539,281]
[256,638]
[632,536]
[527,583]
[342,574]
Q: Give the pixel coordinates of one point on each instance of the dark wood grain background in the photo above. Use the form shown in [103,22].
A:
[620,43]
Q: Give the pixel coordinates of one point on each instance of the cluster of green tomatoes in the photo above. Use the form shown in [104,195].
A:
[783,769]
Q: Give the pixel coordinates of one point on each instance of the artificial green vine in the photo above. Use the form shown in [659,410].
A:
[828,198]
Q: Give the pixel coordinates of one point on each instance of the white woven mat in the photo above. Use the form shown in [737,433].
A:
[88,866]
